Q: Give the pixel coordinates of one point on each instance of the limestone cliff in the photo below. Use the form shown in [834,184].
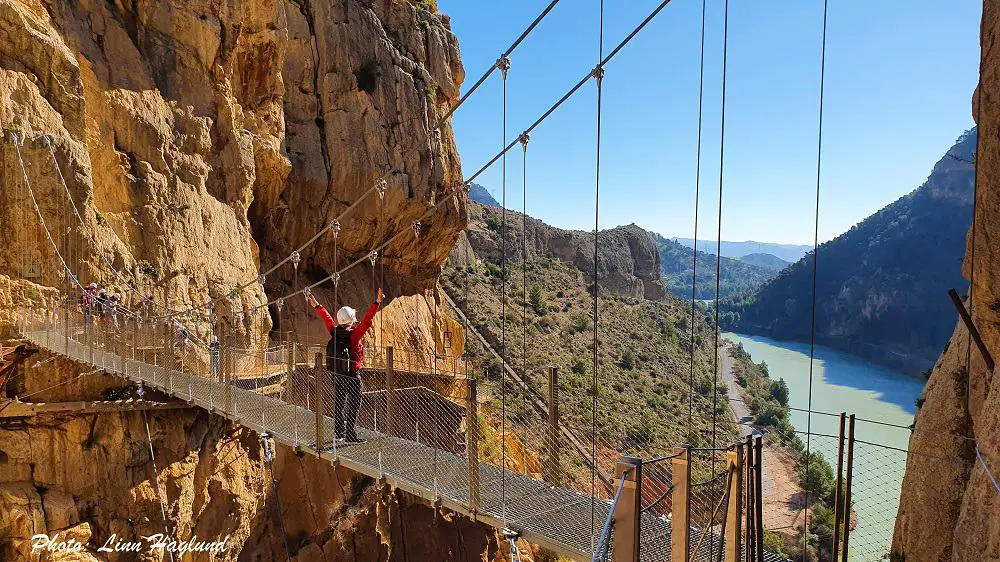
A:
[628,261]
[948,509]
[202,141]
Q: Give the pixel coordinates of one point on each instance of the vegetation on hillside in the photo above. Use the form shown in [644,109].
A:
[738,276]
[881,289]
[767,401]
[542,316]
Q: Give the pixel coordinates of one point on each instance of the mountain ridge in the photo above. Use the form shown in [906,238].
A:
[882,286]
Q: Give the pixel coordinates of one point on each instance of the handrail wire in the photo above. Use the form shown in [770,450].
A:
[504,65]
[599,76]
[576,86]
[602,543]
[697,193]
[469,180]
[815,269]
[531,27]
[506,54]
[718,247]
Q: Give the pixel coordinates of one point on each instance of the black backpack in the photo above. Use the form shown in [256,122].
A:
[339,356]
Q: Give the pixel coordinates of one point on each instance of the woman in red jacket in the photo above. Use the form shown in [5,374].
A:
[344,356]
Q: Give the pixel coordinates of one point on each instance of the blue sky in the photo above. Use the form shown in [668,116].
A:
[900,77]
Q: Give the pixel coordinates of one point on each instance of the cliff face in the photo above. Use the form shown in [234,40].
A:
[948,509]
[628,261]
[203,141]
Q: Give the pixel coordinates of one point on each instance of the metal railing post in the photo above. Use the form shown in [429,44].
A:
[318,403]
[168,357]
[390,392]
[553,429]
[680,500]
[733,530]
[89,334]
[628,509]
[65,312]
[472,441]
[838,502]
[847,492]
[749,500]
[227,371]
[759,493]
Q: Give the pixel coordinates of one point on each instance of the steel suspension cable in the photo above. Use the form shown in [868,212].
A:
[718,242]
[517,42]
[598,73]
[815,270]
[506,54]
[575,88]
[38,211]
[524,259]
[267,444]
[697,193]
[504,65]
[152,457]
[89,234]
[466,182]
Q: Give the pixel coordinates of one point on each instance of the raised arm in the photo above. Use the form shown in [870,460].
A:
[359,332]
[328,320]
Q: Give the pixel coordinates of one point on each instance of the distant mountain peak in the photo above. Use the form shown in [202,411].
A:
[480,194]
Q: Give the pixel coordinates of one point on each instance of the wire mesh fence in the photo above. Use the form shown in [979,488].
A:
[431,425]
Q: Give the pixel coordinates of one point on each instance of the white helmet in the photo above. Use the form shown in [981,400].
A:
[346,315]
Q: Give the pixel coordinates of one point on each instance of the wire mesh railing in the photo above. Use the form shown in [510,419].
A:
[431,427]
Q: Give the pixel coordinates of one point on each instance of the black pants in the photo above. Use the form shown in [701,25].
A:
[347,400]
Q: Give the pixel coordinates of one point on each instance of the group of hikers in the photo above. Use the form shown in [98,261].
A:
[344,351]
[101,303]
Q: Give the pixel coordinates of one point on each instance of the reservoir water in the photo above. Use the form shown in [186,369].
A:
[846,383]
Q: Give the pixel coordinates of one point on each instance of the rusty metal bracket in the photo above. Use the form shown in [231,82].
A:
[967,318]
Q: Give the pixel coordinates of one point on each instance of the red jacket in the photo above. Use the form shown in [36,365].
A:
[357,333]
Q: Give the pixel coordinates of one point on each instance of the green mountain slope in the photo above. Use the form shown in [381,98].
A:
[882,286]
[767,261]
[738,276]
[542,317]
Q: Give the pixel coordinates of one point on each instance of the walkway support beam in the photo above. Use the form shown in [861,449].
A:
[552,466]
[680,500]
[838,497]
[847,490]
[734,527]
[628,509]
[472,441]
[390,392]
[318,402]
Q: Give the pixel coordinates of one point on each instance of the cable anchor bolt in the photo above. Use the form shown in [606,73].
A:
[267,444]
[503,64]
[598,73]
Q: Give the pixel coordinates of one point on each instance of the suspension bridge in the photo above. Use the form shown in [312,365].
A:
[428,422]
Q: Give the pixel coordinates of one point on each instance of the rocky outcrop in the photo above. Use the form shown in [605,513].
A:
[202,142]
[948,509]
[628,261]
